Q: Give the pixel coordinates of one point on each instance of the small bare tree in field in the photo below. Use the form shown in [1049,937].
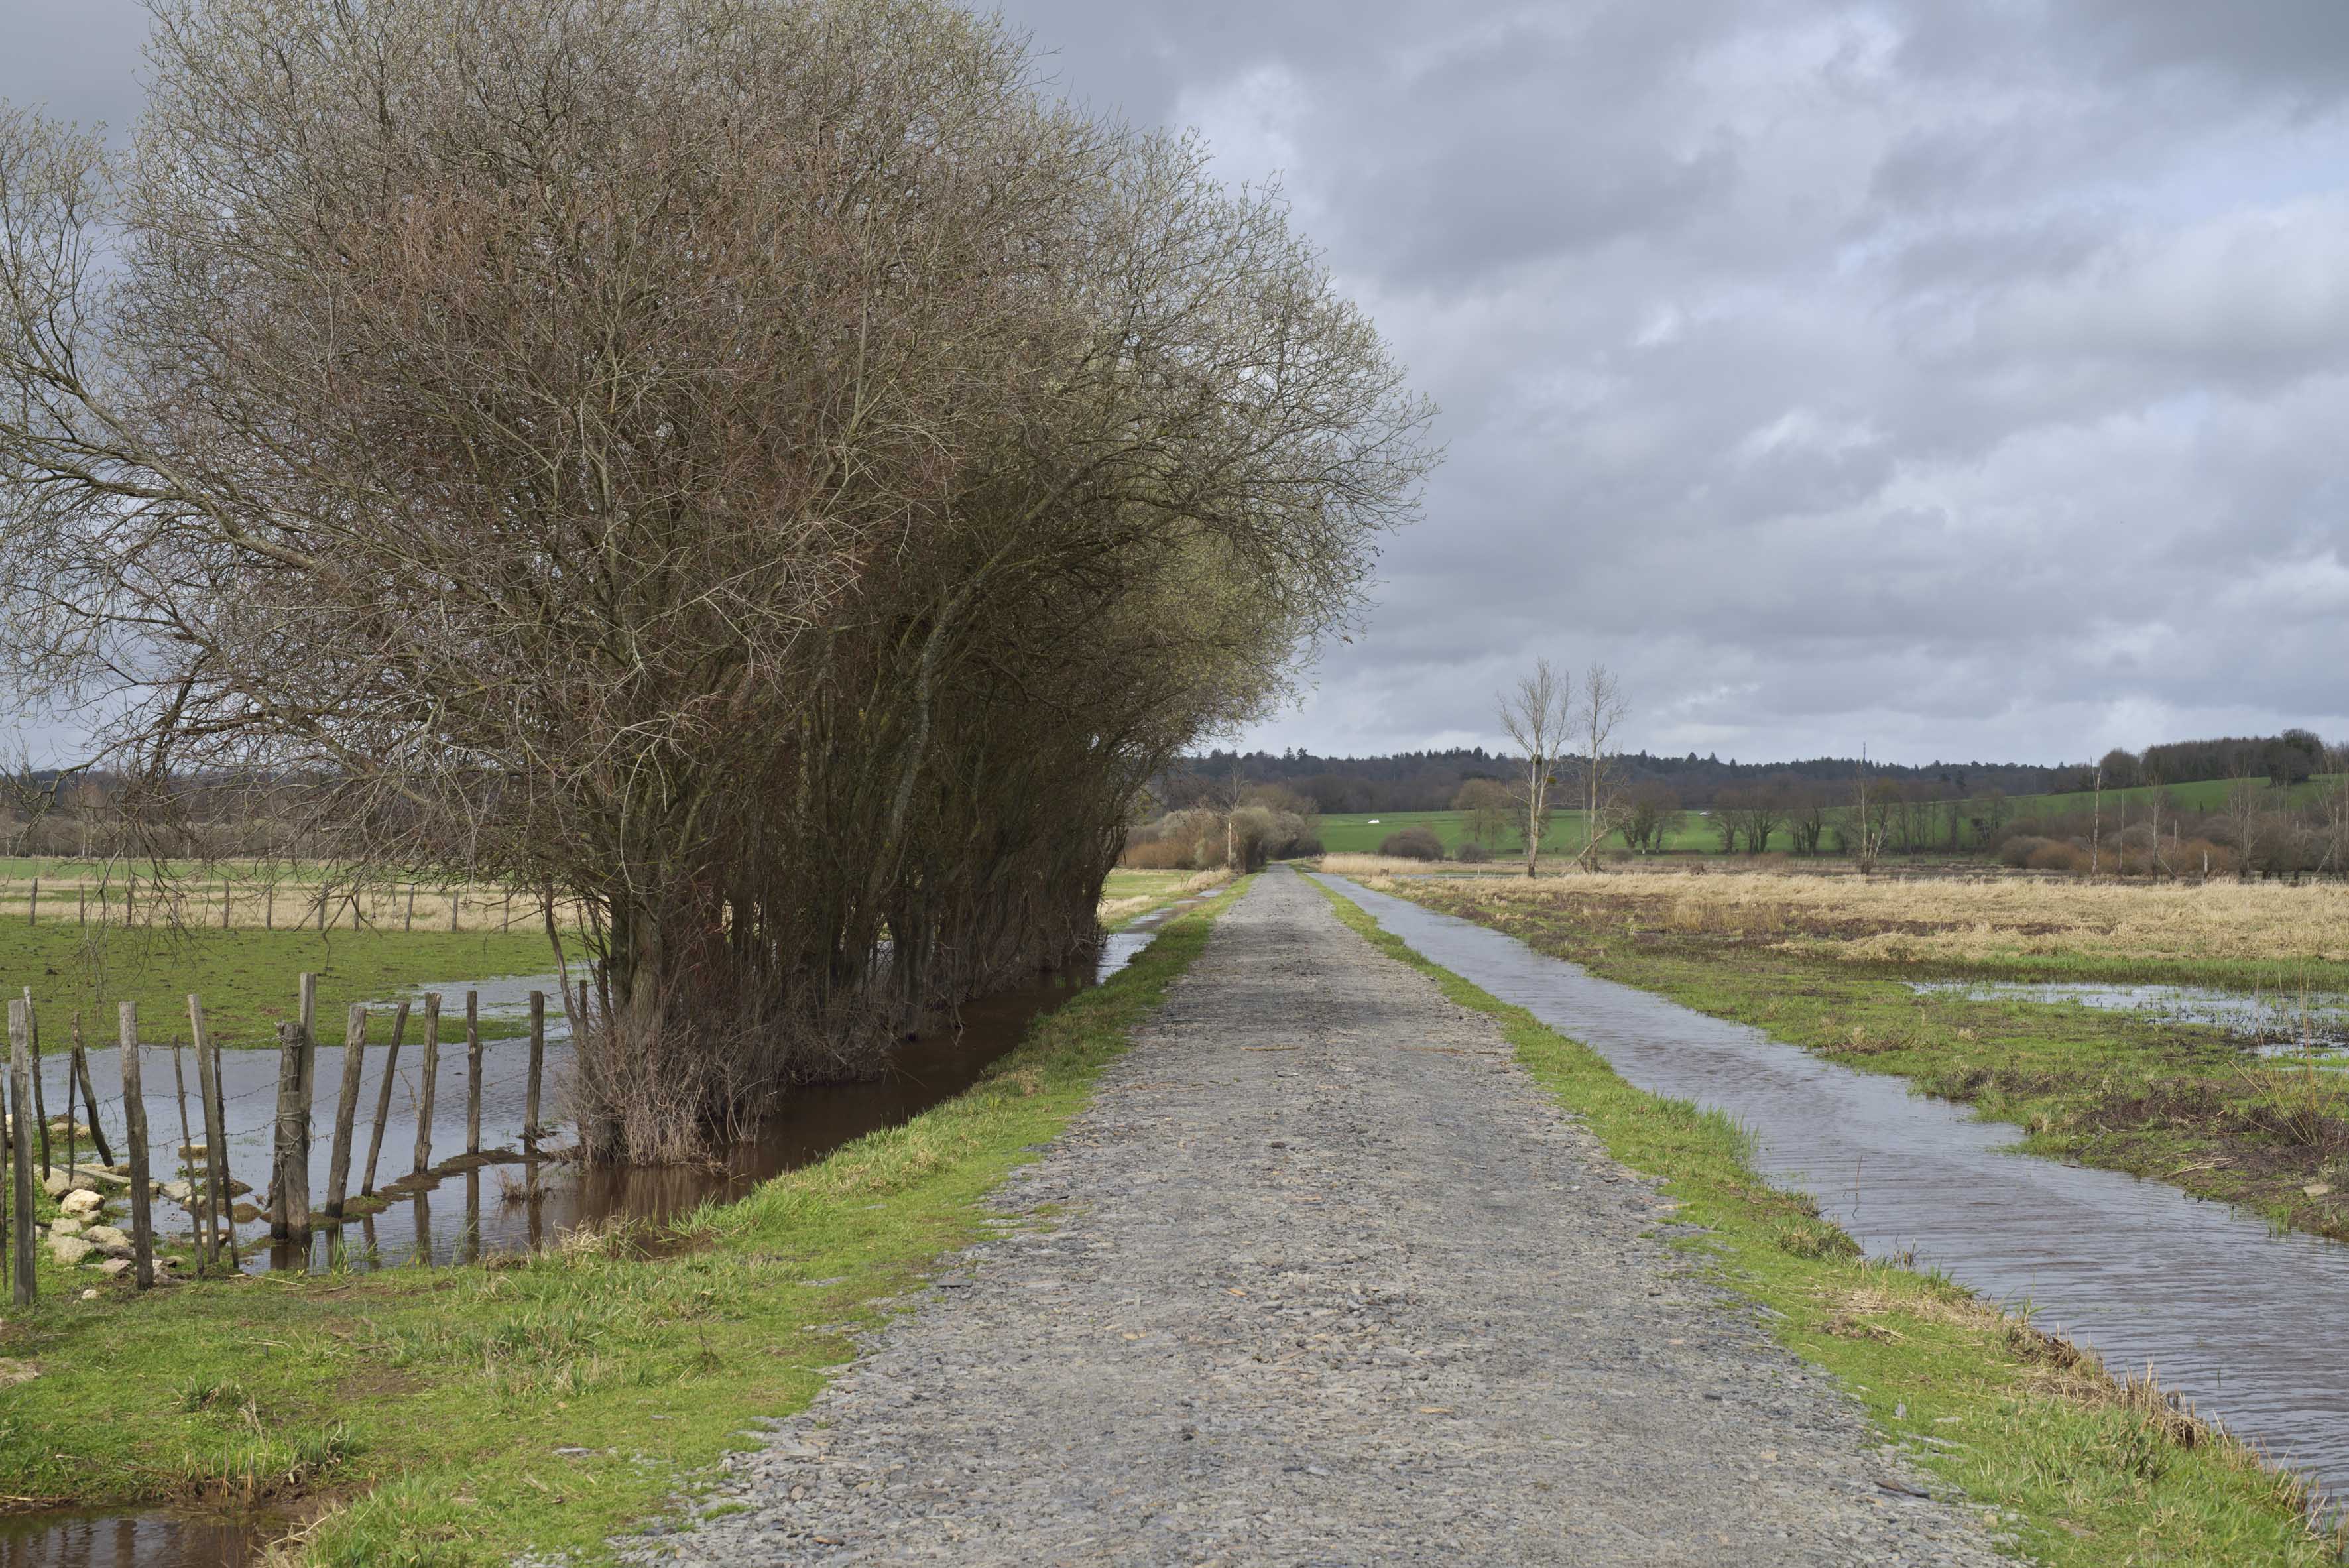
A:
[1599,706]
[1538,718]
[1870,819]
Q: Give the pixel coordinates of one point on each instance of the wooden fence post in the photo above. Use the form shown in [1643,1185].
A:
[228,902]
[409,922]
[537,1065]
[40,1102]
[289,1218]
[472,1072]
[208,1089]
[383,1099]
[20,1149]
[89,1097]
[194,1187]
[347,1107]
[81,906]
[33,910]
[134,1133]
[431,1084]
[269,905]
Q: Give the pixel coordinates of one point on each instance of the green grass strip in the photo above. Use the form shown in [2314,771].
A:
[431,1405]
[2078,1470]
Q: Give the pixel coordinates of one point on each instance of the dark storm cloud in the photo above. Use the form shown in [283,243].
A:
[1965,379]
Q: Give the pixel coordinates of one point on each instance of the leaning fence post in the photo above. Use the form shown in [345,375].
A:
[208,1089]
[472,1072]
[89,1097]
[134,1133]
[346,1109]
[20,1148]
[537,1065]
[426,1091]
[383,1099]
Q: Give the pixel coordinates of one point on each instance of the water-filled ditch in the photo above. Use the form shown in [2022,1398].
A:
[2242,1321]
[512,1206]
[515,1208]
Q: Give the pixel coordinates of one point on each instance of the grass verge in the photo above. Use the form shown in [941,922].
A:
[457,1415]
[2079,1469]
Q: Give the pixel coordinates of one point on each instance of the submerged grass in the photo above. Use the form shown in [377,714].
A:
[458,1416]
[2184,1104]
[2075,1467]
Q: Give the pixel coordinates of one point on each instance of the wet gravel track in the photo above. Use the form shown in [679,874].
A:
[1322,1277]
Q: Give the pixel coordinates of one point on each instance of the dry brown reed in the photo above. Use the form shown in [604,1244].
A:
[1986,918]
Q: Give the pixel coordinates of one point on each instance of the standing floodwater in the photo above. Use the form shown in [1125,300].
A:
[2242,1322]
[509,1206]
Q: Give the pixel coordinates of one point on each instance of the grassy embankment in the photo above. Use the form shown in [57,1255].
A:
[2085,1471]
[428,1412]
[1828,964]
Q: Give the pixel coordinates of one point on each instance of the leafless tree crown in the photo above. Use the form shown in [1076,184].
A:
[760,468]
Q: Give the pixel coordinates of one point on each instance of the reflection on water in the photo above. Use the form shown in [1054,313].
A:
[512,1204]
[2244,1323]
[158,1539]
[2279,1023]
[520,1207]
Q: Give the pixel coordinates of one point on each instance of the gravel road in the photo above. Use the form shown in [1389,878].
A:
[1323,1277]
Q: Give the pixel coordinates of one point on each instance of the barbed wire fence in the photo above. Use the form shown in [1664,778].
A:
[44,1149]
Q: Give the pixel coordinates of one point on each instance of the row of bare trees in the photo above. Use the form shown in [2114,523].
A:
[758,468]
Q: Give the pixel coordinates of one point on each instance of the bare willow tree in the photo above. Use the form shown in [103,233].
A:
[1538,717]
[1598,707]
[756,468]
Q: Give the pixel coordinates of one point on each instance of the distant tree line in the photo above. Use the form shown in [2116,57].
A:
[1431,781]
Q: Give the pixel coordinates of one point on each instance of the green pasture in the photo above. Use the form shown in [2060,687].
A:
[248,979]
[1361,832]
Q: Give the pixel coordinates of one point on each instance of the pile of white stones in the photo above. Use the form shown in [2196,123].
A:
[82,1232]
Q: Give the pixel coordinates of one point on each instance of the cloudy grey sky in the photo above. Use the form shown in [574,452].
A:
[1968,380]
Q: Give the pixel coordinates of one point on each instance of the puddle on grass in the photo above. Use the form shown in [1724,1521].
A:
[927,1069]
[508,1204]
[154,1539]
[2242,1322]
[2275,1023]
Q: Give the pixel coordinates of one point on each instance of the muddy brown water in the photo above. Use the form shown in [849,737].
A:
[511,1205]
[2242,1322]
[506,1208]
[154,1539]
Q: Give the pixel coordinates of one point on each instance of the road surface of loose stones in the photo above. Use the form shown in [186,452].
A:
[1323,1277]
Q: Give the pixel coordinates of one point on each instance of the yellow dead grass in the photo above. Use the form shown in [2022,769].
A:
[1968,919]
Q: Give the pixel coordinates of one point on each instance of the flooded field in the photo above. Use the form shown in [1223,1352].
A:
[517,1205]
[2278,1023]
[2240,1319]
